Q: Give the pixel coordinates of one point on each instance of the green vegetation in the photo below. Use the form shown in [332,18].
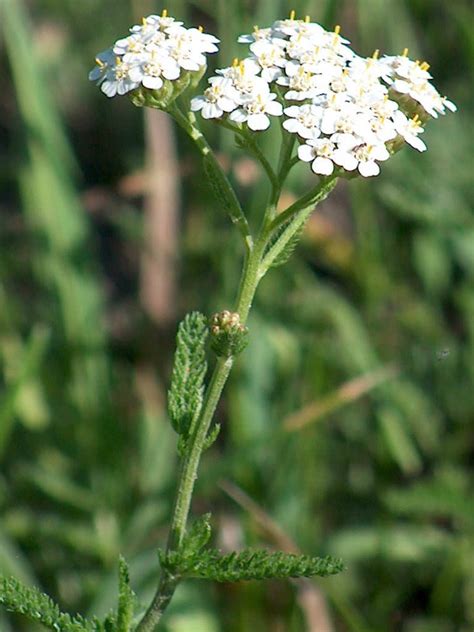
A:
[347,425]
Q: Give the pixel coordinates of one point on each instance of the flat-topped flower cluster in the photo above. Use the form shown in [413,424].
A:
[348,112]
[158,50]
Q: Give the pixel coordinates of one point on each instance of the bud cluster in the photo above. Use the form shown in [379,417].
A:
[229,336]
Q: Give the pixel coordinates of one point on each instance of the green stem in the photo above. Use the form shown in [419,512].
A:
[251,274]
[254,147]
[218,178]
[316,195]
[248,286]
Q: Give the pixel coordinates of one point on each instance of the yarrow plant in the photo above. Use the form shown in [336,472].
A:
[344,115]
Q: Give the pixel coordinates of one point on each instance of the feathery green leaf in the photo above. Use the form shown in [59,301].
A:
[249,564]
[126,598]
[198,536]
[187,383]
[35,605]
[291,243]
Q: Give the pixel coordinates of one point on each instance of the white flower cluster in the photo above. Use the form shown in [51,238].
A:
[348,112]
[157,50]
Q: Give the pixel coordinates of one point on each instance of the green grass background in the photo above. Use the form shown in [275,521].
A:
[382,471]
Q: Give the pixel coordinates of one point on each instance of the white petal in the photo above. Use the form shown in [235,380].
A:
[293,110]
[346,141]
[323,166]
[415,142]
[136,73]
[450,105]
[197,103]
[211,110]
[292,126]
[369,168]
[239,116]
[401,86]
[380,153]
[292,68]
[328,123]
[309,132]
[227,104]
[109,88]
[258,122]
[95,74]
[306,153]
[270,74]
[274,108]
[153,83]
[345,160]
[171,71]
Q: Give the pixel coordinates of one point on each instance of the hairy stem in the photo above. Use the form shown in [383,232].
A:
[252,272]
[312,198]
[230,200]
[248,286]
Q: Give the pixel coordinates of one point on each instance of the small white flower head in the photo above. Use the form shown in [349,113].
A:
[344,119]
[304,120]
[409,129]
[245,77]
[270,57]
[152,69]
[134,44]
[220,98]
[320,153]
[257,35]
[118,79]
[159,49]
[411,79]
[367,155]
[104,61]
[370,67]
[301,84]
[154,23]
[255,109]
[292,27]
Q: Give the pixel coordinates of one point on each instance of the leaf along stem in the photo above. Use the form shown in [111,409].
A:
[312,198]
[231,202]
[252,272]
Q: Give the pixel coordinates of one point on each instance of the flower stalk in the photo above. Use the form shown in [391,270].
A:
[341,113]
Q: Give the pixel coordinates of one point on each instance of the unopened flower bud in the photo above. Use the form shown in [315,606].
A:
[229,336]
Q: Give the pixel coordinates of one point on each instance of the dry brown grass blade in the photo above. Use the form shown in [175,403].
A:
[345,394]
[310,597]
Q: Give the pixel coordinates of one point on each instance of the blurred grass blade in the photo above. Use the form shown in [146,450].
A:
[398,441]
[31,358]
[54,213]
[345,394]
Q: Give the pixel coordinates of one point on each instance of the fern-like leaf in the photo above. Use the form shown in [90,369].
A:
[126,601]
[38,607]
[290,246]
[187,381]
[198,536]
[250,564]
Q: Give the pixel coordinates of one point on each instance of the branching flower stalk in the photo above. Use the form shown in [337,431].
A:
[343,114]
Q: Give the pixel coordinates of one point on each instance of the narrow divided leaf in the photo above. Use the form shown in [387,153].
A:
[197,537]
[212,436]
[187,381]
[225,194]
[289,247]
[250,564]
[126,601]
[38,607]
